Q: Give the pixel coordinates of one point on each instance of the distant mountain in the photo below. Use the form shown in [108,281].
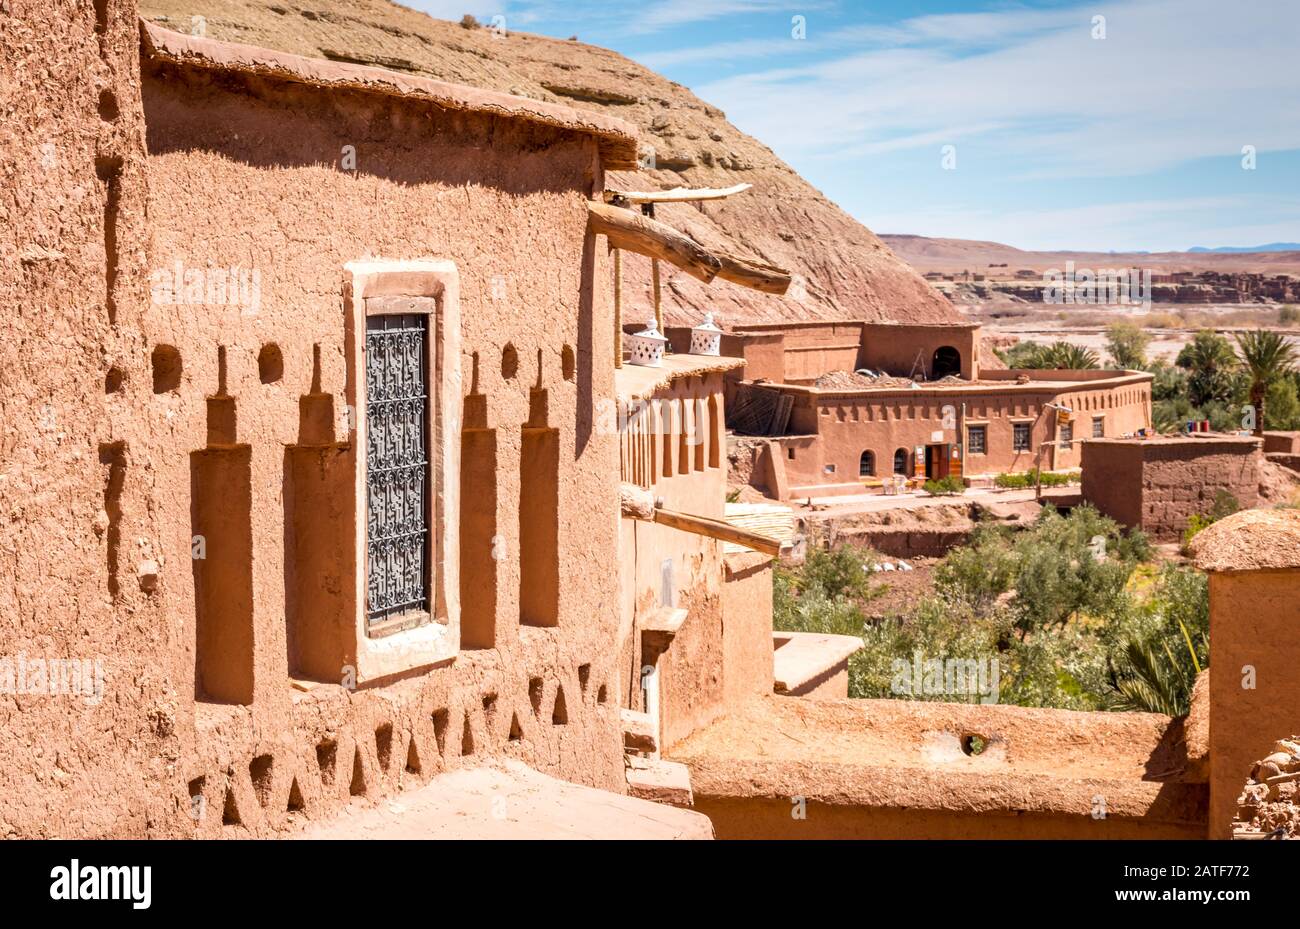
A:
[954,256]
[1234,250]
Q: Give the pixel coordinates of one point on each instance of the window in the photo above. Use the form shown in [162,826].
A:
[397,466]
[790,454]
[403,388]
[977,440]
[1067,435]
[1099,427]
[867,465]
[829,469]
[1020,438]
[900,461]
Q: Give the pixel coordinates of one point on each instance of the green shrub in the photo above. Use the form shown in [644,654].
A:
[1068,609]
[1020,481]
[945,486]
[1225,504]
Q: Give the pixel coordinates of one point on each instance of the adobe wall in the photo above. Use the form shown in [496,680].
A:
[764,355]
[901,350]
[793,768]
[247,173]
[812,349]
[680,459]
[1286,443]
[80,537]
[114,454]
[1158,485]
[1253,560]
[746,628]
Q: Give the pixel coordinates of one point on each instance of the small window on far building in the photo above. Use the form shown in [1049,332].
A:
[1067,435]
[900,461]
[977,440]
[1099,427]
[867,465]
[790,453]
[1020,437]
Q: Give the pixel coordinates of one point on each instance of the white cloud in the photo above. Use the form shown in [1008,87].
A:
[1175,80]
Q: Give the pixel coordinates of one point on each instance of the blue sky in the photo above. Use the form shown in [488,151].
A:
[1069,131]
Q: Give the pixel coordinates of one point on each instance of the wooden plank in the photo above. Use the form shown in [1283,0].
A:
[716,529]
[675,195]
[636,233]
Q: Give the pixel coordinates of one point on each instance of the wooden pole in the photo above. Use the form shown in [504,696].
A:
[717,529]
[659,309]
[618,308]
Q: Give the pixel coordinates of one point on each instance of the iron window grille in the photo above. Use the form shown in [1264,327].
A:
[1020,437]
[397,466]
[977,440]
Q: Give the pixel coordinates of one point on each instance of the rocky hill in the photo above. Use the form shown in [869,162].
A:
[846,272]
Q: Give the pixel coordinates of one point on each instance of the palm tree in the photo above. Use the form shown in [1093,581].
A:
[1211,365]
[1067,357]
[1267,357]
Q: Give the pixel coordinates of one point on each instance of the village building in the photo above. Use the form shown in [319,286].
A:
[849,407]
[327,475]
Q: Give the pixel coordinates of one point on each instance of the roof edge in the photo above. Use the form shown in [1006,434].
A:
[617,138]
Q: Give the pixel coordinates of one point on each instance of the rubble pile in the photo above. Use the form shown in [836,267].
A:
[1269,806]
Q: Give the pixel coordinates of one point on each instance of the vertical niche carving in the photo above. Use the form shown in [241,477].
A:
[319,561]
[480,551]
[539,517]
[222,555]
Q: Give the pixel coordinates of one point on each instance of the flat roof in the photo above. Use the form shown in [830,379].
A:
[1198,438]
[906,754]
[617,139]
[984,385]
[637,381]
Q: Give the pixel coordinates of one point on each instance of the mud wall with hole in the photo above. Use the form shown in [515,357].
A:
[260,177]
[134,410]
[89,749]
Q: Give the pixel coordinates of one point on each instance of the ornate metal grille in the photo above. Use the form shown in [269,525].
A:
[397,465]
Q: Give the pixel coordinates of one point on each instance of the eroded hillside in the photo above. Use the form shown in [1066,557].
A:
[844,270]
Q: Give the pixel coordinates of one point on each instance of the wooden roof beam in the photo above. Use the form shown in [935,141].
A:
[676,195]
[634,232]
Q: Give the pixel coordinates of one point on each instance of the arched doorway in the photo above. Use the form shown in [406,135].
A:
[867,465]
[946,361]
[900,461]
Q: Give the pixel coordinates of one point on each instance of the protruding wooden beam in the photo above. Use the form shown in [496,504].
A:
[676,195]
[717,529]
[751,274]
[636,233]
